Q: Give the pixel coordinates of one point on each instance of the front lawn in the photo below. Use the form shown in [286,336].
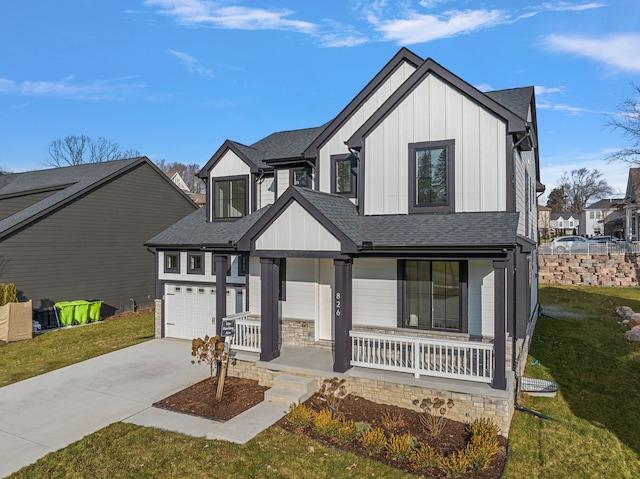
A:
[62,347]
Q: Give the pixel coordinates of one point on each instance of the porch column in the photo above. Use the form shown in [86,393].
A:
[269,320]
[221,265]
[342,312]
[523,306]
[499,325]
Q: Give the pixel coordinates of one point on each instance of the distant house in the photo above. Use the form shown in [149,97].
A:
[565,223]
[632,200]
[78,232]
[595,216]
[398,241]
[544,222]
[198,198]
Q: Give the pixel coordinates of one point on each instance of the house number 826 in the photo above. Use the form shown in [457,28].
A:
[338,304]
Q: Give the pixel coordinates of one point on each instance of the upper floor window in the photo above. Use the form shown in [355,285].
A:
[300,176]
[230,197]
[591,215]
[431,179]
[343,175]
[171,262]
[195,263]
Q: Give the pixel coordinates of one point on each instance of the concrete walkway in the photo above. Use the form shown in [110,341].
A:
[50,411]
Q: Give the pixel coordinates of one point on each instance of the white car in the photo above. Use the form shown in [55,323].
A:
[570,244]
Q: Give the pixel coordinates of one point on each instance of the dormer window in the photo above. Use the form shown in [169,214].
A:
[343,175]
[431,180]
[230,198]
[300,176]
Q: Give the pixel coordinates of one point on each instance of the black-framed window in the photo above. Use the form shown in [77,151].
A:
[171,262]
[431,176]
[344,175]
[230,197]
[300,176]
[433,295]
[195,263]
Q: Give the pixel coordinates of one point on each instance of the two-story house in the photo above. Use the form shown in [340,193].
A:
[594,218]
[565,223]
[398,241]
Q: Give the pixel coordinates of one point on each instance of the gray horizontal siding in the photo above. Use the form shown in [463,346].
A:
[93,248]
[10,206]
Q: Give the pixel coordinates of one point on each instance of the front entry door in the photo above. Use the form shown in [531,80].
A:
[326,278]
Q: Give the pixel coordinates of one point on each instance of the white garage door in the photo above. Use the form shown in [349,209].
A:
[189,311]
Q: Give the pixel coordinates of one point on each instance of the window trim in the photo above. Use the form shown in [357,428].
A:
[450,147]
[463,271]
[191,270]
[177,255]
[353,169]
[294,170]
[226,179]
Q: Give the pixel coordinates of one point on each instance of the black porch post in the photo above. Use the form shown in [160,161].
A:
[221,266]
[269,287]
[342,314]
[500,327]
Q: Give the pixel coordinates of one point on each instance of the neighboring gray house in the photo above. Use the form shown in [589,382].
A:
[399,239]
[78,232]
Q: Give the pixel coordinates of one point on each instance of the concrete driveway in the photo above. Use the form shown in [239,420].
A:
[48,412]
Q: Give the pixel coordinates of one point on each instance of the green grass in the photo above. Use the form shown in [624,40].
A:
[58,348]
[581,347]
[127,451]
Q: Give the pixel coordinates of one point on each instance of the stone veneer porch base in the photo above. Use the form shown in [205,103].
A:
[471,400]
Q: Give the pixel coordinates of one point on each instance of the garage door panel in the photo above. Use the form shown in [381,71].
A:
[189,311]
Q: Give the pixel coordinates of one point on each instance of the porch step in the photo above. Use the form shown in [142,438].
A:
[288,389]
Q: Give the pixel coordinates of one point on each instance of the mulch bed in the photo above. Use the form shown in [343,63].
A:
[242,394]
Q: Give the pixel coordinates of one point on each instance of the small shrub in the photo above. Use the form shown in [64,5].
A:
[347,431]
[391,420]
[300,415]
[455,464]
[374,439]
[361,428]
[433,412]
[333,392]
[483,444]
[424,457]
[1,294]
[326,423]
[10,294]
[400,446]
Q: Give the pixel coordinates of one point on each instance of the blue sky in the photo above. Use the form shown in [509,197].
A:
[174,78]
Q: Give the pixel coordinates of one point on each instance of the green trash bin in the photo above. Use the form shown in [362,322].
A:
[80,311]
[66,312]
[94,311]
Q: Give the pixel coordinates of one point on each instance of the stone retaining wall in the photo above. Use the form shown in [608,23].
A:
[617,269]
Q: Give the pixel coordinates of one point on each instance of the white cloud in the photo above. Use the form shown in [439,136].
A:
[209,13]
[67,88]
[192,64]
[572,110]
[618,51]
[545,90]
[418,28]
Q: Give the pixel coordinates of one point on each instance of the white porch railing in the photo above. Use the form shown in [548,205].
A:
[468,360]
[247,337]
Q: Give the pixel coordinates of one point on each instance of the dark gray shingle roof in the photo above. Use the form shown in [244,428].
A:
[70,181]
[517,100]
[287,144]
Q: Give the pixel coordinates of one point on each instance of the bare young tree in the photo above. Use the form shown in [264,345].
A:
[628,121]
[189,173]
[583,185]
[76,150]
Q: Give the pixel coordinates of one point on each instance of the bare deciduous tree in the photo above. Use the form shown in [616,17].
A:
[583,185]
[187,172]
[76,150]
[628,121]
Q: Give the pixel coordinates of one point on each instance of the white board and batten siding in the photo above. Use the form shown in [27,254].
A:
[434,111]
[206,277]
[266,191]
[301,289]
[336,144]
[282,181]
[231,164]
[374,292]
[481,298]
[296,230]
